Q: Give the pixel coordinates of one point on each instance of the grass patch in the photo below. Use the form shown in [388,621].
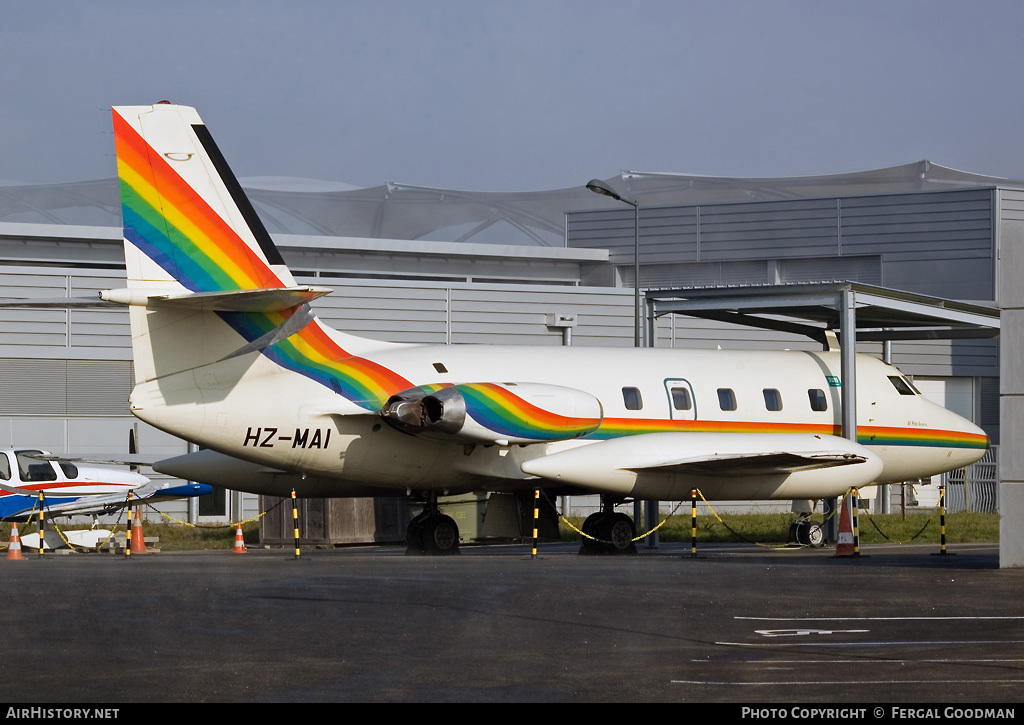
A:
[173,537]
[921,528]
[178,537]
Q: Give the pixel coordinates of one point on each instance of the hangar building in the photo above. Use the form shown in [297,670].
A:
[416,264]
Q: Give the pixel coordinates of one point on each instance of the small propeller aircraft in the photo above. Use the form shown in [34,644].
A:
[70,489]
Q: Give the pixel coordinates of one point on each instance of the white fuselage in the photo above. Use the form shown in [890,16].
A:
[293,424]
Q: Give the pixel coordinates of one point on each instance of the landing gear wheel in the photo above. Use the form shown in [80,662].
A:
[616,532]
[432,533]
[440,535]
[809,533]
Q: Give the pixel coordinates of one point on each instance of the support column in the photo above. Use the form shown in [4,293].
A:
[1010,294]
[848,387]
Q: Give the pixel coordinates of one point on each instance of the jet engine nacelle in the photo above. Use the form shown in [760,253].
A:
[503,413]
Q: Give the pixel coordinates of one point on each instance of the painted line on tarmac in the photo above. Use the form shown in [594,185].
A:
[873,619]
[777,683]
[897,661]
[876,643]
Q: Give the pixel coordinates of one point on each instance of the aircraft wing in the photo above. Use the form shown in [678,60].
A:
[754,463]
[98,504]
[616,464]
[112,459]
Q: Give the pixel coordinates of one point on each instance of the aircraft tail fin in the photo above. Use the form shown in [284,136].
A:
[184,211]
[211,300]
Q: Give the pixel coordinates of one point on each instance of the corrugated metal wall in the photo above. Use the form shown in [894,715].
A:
[440,313]
[937,243]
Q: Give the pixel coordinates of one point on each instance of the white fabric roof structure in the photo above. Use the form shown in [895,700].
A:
[400,211]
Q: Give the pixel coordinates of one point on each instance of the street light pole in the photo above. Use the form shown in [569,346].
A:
[599,187]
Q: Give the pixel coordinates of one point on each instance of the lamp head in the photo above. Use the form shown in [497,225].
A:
[599,187]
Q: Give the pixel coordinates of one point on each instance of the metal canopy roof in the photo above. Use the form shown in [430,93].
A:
[813,309]
[405,211]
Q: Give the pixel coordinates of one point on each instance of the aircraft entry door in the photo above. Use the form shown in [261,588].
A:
[681,403]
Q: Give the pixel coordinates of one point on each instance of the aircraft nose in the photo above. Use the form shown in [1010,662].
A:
[971,442]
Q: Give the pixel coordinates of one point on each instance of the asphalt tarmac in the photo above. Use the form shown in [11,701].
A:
[735,624]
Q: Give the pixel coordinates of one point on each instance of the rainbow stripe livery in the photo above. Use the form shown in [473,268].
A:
[498,409]
[866,435]
[175,227]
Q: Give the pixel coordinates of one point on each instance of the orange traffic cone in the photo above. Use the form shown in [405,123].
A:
[138,540]
[14,549]
[846,544]
[239,541]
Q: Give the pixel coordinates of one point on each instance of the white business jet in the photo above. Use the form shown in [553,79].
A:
[228,354]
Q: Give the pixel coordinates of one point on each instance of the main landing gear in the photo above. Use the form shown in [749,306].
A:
[431,532]
[610,532]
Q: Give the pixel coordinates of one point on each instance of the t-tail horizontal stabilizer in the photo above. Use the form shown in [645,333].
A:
[248,300]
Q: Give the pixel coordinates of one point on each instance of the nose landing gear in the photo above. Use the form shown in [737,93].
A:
[806,532]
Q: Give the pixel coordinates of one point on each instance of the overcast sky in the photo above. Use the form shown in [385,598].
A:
[517,95]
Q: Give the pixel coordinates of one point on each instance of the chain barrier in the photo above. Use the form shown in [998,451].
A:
[31,516]
[56,527]
[739,535]
[236,524]
[914,537]
[567,522]
[117,523]
[563,519]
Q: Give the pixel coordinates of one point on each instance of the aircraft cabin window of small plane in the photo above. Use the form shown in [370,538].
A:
[5,468]
[70,469]
[726,399]
[631,397]
[818,400]
[901,385]
[772,399]
[681,399]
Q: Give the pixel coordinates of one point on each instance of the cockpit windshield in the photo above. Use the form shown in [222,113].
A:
[902,385]
[34,469]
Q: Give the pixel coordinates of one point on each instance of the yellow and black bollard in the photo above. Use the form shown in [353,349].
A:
[295,523]
[42,524]
[856,525]
[536,516]
[128,533]
[693,522]
[942,519]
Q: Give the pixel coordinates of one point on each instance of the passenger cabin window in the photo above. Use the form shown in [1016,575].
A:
[5,468]
[901,385]
[818,399]
[33,469]
[681,399]
[631,397]
[726,399]
[70,469]
[772,399]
